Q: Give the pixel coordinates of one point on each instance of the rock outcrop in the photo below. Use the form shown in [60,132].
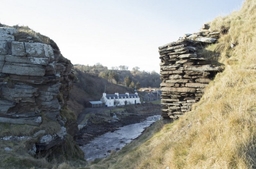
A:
[35,80]
[32,76]
[186,68]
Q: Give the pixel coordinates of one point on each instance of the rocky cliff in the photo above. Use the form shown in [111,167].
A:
[186,69]
[35,80]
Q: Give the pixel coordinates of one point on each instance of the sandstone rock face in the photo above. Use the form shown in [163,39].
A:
[185,72]
[31,78]
[35,80]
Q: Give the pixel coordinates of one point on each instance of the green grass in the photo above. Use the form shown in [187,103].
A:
[156,102]
[16,130]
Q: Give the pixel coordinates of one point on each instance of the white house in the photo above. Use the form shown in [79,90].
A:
[117,99]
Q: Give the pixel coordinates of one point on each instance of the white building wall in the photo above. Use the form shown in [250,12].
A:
[121,101]
[110,103]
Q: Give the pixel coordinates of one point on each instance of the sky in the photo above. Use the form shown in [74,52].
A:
[114,32]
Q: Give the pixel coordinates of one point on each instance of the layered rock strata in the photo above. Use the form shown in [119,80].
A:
[32,76]
[35,80]
[186,68]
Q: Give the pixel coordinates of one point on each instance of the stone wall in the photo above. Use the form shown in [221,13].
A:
[35,80]
[186,68]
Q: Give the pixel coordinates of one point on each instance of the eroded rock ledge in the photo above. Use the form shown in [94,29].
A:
[35,80]
[31,78]
[186,68]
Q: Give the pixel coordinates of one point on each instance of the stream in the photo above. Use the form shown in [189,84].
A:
[103,145]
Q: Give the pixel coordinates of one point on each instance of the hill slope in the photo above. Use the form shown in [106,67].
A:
[90,87]
[220,130]
[90,84]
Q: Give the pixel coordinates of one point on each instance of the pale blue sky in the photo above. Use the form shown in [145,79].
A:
[114,32]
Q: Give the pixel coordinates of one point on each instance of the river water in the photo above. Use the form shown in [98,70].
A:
[103,145]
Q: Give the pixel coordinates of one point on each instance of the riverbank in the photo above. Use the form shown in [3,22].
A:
[104,145]
[97,121]
[132,148]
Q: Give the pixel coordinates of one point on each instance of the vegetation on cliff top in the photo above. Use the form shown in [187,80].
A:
[220,130]
[122,76]
[20,143]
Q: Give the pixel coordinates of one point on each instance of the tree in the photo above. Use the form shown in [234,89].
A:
[155,79]
[123,67]
[112,75]
[132,84]
[135,70]
[103,75]
[114,68]
[127,81]
[137,85]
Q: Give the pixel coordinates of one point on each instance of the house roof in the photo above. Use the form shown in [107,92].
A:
[123,96]
[112,96]
[95,102]
[134,96]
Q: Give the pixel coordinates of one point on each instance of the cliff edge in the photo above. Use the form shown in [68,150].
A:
[35,80]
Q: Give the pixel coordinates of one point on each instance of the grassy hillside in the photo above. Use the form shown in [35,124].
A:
[220,130]
[90,87]
[119,75]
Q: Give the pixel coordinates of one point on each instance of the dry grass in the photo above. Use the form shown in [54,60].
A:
[16,130]
[220,131]
[25,34]
[129,155]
